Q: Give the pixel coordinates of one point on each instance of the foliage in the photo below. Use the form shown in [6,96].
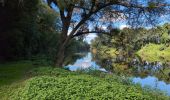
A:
[76,87]
[128,44]
[33,33]
[125,43]
[119,47]
[64,85]
[153,52]
[103,47]
[27,31]
[55,83]
[77,15]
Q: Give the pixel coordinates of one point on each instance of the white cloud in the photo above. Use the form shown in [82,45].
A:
[123,26]
[90,37]
[104,27]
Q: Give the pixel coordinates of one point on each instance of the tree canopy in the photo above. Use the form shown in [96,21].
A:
[81,17]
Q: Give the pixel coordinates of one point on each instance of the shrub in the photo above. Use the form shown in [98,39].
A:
[59,84]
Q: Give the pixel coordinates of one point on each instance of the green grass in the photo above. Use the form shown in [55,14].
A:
[13,71]
[47,83]
[12,76]
[152,52]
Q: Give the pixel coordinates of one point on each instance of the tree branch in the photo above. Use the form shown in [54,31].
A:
[127,4]
[86,18]
[83,33]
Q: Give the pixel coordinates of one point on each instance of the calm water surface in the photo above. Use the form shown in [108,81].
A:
[151,81]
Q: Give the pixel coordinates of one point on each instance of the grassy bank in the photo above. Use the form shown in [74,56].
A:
[47,83]
[14,71]
[153,52]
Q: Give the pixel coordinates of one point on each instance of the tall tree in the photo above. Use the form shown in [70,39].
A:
[81,17]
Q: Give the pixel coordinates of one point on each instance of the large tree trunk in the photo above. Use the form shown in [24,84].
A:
[64,40]
[59,60]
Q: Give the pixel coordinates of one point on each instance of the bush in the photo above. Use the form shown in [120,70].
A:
[59,84]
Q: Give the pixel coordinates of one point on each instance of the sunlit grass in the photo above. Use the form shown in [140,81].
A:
[12,76]
[153,52]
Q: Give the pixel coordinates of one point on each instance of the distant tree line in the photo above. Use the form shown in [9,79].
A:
[127,41]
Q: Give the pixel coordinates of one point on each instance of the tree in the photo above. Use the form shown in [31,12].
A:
[27,29]
[17,27]
[89,16]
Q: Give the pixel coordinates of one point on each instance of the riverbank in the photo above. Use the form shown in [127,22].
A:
[150,52]
[44,82]
[153,52]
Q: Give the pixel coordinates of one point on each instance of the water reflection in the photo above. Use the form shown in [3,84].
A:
[153,82]
[137,72]
[135,67]
[85,62]
[152,67]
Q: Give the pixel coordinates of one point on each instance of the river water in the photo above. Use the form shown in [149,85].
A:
[151,81]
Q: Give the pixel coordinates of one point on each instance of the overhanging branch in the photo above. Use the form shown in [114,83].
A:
[88,32]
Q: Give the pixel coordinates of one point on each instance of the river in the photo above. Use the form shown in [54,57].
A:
[149,80]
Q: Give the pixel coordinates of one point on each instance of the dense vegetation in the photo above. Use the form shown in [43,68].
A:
[155,52]
[38,35]
[32,29]
[81,17]
[54,83]
[124,44]
[117,53]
